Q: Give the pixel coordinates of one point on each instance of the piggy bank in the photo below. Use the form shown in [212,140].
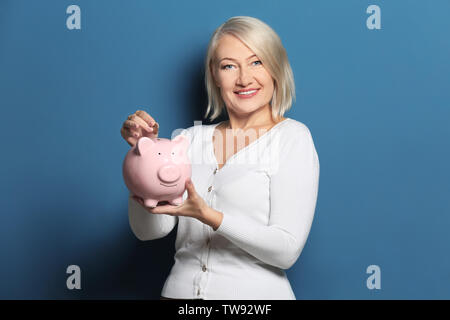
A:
[156,169]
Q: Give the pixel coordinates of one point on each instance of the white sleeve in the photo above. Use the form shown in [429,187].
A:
[293,194]
[148,226]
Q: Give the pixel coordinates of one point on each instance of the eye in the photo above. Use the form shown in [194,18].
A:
[159,153]
[173,153]
[227,65]
[260,62]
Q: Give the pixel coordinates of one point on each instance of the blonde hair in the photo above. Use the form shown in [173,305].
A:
[266,44]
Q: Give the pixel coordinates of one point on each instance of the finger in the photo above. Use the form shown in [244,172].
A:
[156,127]
[133,125]
[130,132]
[126,136]
[138,200]
[165,209]
[152,129]
[148,129]
[130,124]
[131,141]
[141,202]
[153,126]
[146,117]
[140,121]
[190,188]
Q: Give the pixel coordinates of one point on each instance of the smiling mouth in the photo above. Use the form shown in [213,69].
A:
[247,93]
[167,185]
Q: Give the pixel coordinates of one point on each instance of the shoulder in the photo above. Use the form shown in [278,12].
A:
[293,130]
[295,147]
[195,132]
[295,139]
[189,132]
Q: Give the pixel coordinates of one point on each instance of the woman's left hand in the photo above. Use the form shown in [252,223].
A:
[194,206]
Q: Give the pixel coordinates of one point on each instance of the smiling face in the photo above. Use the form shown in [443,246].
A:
[237,68]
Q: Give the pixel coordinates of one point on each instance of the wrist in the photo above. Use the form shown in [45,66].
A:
[212,217]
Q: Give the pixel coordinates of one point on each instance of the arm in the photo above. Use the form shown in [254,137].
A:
[293,194]
[148,226]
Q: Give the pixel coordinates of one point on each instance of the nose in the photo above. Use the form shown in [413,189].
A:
[169,173]
[245,77]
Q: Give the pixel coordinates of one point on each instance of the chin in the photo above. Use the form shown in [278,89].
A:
[249,109]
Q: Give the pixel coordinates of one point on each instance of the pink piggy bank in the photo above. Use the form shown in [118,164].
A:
[156,169]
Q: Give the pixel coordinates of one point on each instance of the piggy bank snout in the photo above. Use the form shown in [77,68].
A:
[169,173]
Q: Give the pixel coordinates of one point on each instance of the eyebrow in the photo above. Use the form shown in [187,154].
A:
[235,59]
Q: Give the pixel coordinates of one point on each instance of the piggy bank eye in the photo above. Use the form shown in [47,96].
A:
[173,153]
[159,153]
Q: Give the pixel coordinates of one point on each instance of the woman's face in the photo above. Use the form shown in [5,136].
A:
[237,68]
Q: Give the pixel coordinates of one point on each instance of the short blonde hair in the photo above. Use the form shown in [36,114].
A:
[266,44]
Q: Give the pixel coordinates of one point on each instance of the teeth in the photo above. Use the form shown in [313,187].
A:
[247,92]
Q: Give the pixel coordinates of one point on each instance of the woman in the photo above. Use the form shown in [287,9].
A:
[243,221]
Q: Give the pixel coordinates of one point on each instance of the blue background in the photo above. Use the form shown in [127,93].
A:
[375,101]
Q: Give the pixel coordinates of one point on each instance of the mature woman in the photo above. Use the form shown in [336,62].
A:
[250,202]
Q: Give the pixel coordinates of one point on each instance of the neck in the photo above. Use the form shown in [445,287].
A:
[258,118]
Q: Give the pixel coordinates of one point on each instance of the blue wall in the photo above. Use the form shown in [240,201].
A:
[376,101]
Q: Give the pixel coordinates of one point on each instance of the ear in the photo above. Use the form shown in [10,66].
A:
[143,145]
[182,142]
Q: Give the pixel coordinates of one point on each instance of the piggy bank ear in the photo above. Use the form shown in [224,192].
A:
[143,145]
[182,142]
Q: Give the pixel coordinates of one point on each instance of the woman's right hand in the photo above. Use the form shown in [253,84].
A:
[139,124]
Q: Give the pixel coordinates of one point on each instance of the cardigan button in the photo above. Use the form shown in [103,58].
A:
[210,188]
[204,268]
[215,171]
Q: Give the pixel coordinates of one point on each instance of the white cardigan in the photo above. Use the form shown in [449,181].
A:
[267,193]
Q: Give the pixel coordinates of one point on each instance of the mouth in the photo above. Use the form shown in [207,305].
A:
[245,94]
[167,185]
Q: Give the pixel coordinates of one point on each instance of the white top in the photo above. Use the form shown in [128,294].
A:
[267,193]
